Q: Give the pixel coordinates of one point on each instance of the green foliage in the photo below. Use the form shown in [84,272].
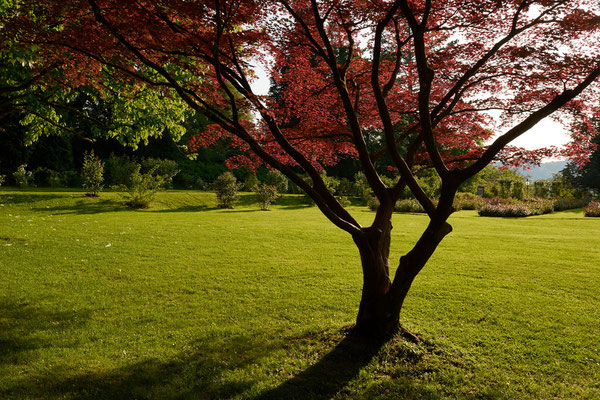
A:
[251,183]
[265,194]
[226,187]
[143,187]
[373,203]
[518,191]
[22,177]
[331,183]
[345,188]
[467,201]
[120,169]
[278,180]
[167,169]
[344,201]
[409,206]
[92,174]
[540,189]
[569,204]
[362,188]
[592,209]
[2,179]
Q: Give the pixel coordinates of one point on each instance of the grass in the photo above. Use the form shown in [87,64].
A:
[185,301]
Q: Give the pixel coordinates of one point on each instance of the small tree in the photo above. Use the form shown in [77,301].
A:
[92,174]
[265,194]
[226,187]
[143,187]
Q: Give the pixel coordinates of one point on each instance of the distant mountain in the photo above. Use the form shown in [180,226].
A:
[544,171]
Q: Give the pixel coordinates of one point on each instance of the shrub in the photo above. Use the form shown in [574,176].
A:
[409,205]
[345,187]
[518,190]
[373,203]
[91,173]
[277,179]
[120,170]
[161,167]
[497,207]
[343,200]
[2,179]
[265,194]
[331,183]
[142,187]
[22,176]
[467,201]
[568,204]
[202,185]
[593,209]
[361,187]
[226,187]
[252,182]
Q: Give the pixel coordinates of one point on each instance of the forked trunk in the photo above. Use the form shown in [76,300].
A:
[381,301]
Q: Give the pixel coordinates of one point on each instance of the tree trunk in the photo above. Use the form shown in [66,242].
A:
[381,301]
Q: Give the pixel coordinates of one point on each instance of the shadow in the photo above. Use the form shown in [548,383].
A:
[182,209]
[207,370]
[85,205]
[20,198]
[329,375]
[223,367]
[25,327]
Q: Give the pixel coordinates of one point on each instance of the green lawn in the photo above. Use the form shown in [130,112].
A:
[187,301]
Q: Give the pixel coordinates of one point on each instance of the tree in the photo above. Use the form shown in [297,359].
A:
[416,77]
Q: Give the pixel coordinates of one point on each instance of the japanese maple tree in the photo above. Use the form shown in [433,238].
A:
[419,76]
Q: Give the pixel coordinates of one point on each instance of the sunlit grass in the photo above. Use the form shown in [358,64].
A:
[187,301]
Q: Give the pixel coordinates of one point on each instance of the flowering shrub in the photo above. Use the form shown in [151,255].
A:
[593,209]
[497,207]
[568,204]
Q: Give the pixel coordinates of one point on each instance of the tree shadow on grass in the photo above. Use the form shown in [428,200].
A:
[329,375]
[28,197]
[23,327]
[222,368]
[85,206]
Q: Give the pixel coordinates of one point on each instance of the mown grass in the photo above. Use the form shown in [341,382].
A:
[183,300]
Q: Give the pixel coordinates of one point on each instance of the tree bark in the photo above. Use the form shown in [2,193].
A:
[381,302]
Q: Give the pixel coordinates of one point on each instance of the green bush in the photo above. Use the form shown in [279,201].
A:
[569,204]
[92,174]
[593,209]
[120,169]
[467,201]
[409,205]
[343,200]
[142,187]
[226,187]
[265,194]
[373,203]
[345,187]
[2,179]
[361,187]
[22,177]
[165,168]
[252,182]
[202,185]
[518,190]
[277,179]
